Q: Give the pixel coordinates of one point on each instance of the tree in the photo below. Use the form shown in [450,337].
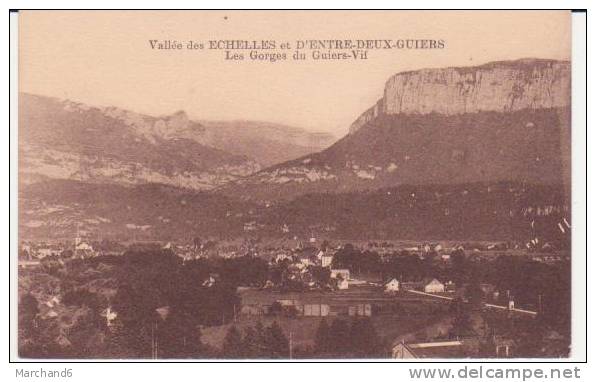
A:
[462,322]
[459,266]
[474,293]
[233,346]
[276,343]
[28,310]
[258,342]
[365,342]
[178,336]
[339,338]
[251,343]
[322,340]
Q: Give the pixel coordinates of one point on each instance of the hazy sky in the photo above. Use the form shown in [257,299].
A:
[105,59]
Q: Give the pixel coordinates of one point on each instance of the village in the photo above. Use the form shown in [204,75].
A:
[408,291]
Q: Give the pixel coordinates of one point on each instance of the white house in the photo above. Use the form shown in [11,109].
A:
[326,260]
[392,286]
[432,285]
[340,273]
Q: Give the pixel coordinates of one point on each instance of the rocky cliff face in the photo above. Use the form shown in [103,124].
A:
[498,86]
[502,121]
[177,125]
[369,115]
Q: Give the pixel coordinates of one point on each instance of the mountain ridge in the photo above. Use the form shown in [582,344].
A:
[388,147]
[63,139]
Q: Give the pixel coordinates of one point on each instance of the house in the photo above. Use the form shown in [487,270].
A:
[326,261]
[361,310]
[342,284]
[392,286]
[315,310]
[432,285]
[435,350]
[340,273]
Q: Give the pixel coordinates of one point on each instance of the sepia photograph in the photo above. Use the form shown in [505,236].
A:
[294,185]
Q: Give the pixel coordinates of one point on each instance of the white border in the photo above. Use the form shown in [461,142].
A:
[343,371]
[13,139]
[578,192]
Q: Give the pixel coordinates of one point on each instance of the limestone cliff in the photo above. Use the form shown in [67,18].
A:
[497,86]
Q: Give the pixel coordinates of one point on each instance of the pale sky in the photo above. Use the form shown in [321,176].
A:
[103,58]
